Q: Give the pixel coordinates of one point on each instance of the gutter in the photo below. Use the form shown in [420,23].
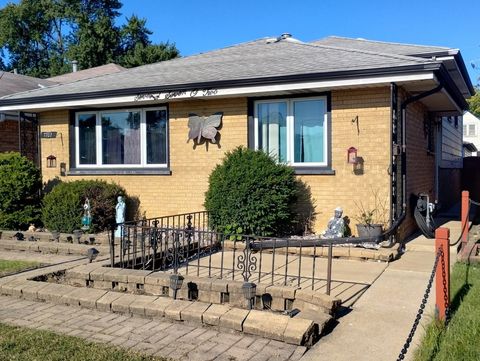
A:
[274,80]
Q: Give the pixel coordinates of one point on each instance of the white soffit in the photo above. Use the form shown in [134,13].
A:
[169,96]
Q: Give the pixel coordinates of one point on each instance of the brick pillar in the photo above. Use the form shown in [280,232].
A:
[464,218]
[442,236]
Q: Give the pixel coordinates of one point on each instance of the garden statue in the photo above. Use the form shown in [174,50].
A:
[119,216]
[87,217]
[335,226]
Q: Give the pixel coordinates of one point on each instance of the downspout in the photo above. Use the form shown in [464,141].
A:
[403,113]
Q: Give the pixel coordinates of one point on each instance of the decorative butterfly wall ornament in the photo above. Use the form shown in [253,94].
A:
[203,127]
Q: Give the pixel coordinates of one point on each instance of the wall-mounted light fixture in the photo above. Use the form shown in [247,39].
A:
[63,169]
[51,161]
[352,155]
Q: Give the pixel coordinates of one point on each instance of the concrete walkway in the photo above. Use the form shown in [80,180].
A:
[381,319]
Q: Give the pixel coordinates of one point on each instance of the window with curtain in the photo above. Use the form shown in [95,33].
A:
[272,119]
[87,142]
[123,138]
[156,121]
[293,131]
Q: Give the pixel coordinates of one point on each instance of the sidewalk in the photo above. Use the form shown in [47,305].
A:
[156,337]
[380,321]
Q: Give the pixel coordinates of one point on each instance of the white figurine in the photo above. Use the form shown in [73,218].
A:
[119,216]
[335,226]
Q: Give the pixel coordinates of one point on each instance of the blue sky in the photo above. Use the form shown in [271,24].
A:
[197,26]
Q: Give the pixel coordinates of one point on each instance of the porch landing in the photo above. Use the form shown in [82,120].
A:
[379,324]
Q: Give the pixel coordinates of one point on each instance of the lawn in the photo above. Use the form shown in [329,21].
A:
[460,340]
[18,343]
[8,267]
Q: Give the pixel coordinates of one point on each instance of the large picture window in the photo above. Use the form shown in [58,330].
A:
[121,138]
[293,131]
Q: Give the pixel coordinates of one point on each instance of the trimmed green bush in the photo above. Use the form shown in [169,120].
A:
[251,192]
[63,206]
[20,184]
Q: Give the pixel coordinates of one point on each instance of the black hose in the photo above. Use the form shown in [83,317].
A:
[421,219]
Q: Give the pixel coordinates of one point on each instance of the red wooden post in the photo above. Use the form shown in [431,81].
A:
[465,220]
[442,236]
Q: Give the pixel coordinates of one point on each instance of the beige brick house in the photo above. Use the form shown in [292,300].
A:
[305,103]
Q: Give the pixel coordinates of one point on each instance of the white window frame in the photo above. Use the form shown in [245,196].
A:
[99,143]
[291,129]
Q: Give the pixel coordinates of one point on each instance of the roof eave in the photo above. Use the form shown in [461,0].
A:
[227,83]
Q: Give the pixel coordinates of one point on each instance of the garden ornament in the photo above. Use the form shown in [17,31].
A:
[87,217]
[205,127]
[119,216]
[335,226]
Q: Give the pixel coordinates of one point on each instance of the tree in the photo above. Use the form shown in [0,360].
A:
[41,37]
[96,38]
[32,34]
[474,103]
[137,49]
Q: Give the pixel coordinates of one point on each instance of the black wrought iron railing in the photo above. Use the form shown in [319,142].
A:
[186,244]
[197,220]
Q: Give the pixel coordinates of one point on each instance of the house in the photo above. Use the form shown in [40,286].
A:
[77,75]
[18,131]
[471,132]
[353,117]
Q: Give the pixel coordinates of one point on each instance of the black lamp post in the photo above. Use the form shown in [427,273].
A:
[176,281]
[77,234]
[249,290]
[56,235]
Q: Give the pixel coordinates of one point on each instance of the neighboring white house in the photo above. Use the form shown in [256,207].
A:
[471,131]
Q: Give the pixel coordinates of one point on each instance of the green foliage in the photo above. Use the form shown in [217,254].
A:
[41,37]
[233,232]
[9,267]
[18,343]
[474,103]
[63,206]
[20,184]
[97,38]
[250,191]
[458,341]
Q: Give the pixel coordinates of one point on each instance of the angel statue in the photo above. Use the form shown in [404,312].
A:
[119,216]
[205,127]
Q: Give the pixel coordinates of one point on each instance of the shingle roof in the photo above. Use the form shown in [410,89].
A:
[259,59]
[380,46]
[12,83]
[87,73]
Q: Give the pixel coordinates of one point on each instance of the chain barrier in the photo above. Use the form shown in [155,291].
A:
[475,203]
[464,228]
[418,317]
[445,291]
[470,202]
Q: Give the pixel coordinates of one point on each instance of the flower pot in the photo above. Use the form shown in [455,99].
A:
[369,230]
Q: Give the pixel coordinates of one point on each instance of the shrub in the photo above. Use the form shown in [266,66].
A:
[20,184]
[63,206]
[251,192]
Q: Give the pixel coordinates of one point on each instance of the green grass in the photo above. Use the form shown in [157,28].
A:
[7,267]
[460,340]
[22,344]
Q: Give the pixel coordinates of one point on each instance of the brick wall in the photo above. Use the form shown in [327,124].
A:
[184,189]
[9,136]
[420,164]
